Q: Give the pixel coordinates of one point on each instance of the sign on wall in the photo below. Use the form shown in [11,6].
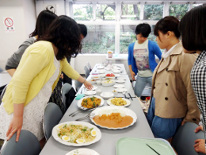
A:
[8,24]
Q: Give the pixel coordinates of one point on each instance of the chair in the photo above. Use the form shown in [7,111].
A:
[52,116]
[77,85]
[87,71]
[89,66]
[68,95]
[28,144]
[184,140]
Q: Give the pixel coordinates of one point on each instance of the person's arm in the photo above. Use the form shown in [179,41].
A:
[87,84]
[73,74]
[130,60]
[193,113]
[17,122]
[157,51]
[131,72]
[11,71]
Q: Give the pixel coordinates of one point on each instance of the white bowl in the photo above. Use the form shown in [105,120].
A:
[99,82]
[107,95]
[120,81]
[108,83]
[90,92]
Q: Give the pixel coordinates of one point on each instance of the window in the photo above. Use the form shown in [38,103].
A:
[178,10]
[130,11]
[82,11]
[105,12]
[100,39]
[127,36]
[111,26]
[153,12]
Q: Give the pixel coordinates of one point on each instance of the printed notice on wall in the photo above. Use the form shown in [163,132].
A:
[8,24]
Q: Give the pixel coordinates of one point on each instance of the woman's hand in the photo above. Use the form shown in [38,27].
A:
[200,145]
[15,126]
[199,128]
[88,85]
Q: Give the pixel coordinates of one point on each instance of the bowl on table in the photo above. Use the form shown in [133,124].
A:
[107,95]
[108,83]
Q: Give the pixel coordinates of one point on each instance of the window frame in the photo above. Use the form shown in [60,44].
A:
[118,22]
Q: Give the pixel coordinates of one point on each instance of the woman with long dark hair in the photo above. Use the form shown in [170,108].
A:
[193,30]
[37,75]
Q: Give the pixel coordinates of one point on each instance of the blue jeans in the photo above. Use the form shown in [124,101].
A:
[162,127]
[141,82]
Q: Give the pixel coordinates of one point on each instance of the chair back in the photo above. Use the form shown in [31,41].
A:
[52,116]
[28,144]
[87,71]
[184,140]
[77,85]
[89,66]
[68,95]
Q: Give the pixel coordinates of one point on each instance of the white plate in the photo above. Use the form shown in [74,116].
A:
[79,103]
[116,71]
[110,103]
[95,77]
[121,78]
[100,67]
[121,89]
[90,92]
[117,75]
[107,95]
[111,109]
[93,88]
[101,71]
[82,151]
[119,86]
[120,81]
[55,132]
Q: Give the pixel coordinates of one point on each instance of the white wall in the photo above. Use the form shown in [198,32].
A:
[57,4]
[23,13]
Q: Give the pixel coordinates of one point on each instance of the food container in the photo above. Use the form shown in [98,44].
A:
[110,54]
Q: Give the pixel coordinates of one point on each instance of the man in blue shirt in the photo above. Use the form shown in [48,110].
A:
[141,58]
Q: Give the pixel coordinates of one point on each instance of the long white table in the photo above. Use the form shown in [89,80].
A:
[107,144]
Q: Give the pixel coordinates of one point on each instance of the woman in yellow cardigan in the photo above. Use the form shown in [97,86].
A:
[36,76]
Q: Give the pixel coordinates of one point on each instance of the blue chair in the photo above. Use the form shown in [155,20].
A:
[52,116]
[28,144]
[184,140]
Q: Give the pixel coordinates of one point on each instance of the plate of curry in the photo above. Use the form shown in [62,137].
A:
[90,102]
[112,117]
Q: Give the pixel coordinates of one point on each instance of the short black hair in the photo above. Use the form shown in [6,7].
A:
[168,23]
[44,19]
[144,29]
[64,33]
[193,29]
[83,29]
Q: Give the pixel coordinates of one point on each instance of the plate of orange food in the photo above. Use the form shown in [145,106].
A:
[113,117]
[90,102]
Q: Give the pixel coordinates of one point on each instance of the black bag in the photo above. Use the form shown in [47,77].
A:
[70,97]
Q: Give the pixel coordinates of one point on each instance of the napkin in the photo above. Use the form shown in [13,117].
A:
[79,96]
